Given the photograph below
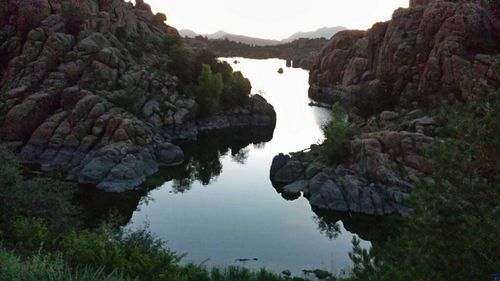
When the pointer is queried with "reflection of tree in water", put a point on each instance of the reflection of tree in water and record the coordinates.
(202, 163)
(329, 228)
(203, 157)
(369, 228)
(240, 156)
(259, 146)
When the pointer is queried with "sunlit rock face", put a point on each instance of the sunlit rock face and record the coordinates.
(424, 52)
(84, 88)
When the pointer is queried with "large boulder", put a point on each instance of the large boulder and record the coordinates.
(292, 170)
(169, 154)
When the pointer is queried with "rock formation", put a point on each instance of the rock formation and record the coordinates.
(380, 173)
(84, 88)
(425, 52)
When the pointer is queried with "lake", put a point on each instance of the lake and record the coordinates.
(221, 206)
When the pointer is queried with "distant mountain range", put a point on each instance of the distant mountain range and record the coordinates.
(326, 32)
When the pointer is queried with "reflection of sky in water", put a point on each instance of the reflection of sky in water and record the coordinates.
(239, 214)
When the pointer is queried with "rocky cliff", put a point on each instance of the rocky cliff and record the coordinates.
(389, 79)
(424, 52)
(85, 87)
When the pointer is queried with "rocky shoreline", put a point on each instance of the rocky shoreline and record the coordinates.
(420, 58)
(85, 88)
(382, 169)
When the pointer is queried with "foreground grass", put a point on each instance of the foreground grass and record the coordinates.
(54, 268)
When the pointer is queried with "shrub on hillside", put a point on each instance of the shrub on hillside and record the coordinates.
(337, 134)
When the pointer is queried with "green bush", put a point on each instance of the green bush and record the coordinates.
(31, 233)
(136, 254)
(209, 90)
(335, 148)
(236, 91)
(42, 198)
(44, 267)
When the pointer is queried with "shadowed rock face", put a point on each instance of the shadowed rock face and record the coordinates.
(377, 179)
(426, 51)
(84, 87)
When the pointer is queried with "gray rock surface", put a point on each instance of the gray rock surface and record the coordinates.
(377, 178)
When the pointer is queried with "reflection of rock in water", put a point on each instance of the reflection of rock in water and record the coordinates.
(290, 196)
(203, 163)
(370, 228)
(98, 206)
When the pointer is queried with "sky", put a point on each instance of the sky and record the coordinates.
(273, 19)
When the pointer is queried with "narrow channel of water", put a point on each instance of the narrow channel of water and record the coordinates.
(221, 205)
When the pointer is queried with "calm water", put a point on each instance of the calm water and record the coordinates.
(221, 205)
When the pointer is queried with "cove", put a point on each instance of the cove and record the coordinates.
(220, 206)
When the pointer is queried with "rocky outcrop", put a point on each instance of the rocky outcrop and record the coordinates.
(383, 167)
(85, 87)
(423, 54)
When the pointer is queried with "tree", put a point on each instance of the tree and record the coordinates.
(209, 90)
(236, 90)
(337, 136)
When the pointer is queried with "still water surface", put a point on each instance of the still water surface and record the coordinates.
(222, 206)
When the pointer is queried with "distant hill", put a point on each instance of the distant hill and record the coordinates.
(242, 39)
(325, 32)
(188, 33)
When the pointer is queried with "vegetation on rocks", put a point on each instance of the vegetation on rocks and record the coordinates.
(338, 135)
(453, 231)
(221, 90)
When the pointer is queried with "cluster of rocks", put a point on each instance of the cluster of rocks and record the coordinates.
(381, 171)
(426, 51)
(84, 87)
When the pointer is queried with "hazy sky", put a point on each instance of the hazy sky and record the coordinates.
(273, 19)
